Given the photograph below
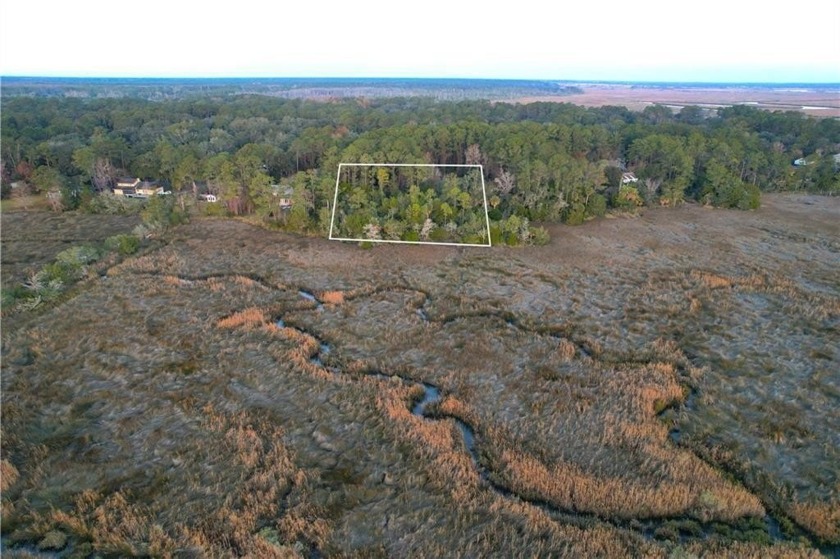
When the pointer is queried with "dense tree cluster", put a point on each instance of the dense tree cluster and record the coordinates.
(542, 161)
(429, 204)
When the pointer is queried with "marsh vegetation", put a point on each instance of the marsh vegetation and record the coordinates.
(654, 385)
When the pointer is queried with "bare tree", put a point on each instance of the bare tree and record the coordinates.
(104, 175)
(505, 182)
(428, 225)
(473, 155)
(54, 198)
(652, 186)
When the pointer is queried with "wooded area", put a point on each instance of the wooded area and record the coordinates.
(437, 204)
(542, 161)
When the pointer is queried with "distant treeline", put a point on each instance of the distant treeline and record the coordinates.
(542, 161)
(290, 88)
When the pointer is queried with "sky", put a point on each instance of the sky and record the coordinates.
(645, 40)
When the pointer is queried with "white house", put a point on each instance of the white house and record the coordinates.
(284, 193)
(127, 182)
(149, 188)
(126, 186)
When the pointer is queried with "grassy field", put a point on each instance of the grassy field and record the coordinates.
(31, 239)
(661, 385)
(813, 102)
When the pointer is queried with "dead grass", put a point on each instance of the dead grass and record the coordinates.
(249, 318)
(211, 433)
(712, 281)
(8, 474)
(332, 297)
(822, 518)
(254, 469)
(451, 468)
(566, 350)
(637, 98)
(454, 407)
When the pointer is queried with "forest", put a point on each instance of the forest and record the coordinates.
(414, 204)
(543, 162)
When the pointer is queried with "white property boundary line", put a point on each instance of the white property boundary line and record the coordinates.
(483, 193)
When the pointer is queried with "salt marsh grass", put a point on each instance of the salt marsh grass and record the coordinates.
(165, 411)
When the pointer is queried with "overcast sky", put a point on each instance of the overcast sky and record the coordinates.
(714, 40)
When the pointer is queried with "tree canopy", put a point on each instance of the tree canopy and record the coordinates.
(542, 161)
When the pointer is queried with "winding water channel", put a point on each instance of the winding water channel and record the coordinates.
(687, 528)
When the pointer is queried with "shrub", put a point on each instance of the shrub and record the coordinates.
(11, 295)
(439, 234)
(539, 236)
(298, 219)
(60, 272)
(214, 210)
(161, 213)
(597, 205)
(70, 197)
(411, 236)
(576, 215)
(47, 283)
(495, 235)
(475, 240)
(750, 198)
(107, 203)
(123, 244)
(627, 198)
(393, 229)
(78, 256)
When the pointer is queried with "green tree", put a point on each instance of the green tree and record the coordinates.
(46, 179)
(664, 159)
(721, 187)
(161, 213)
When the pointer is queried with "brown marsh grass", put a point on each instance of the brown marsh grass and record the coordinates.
(32, 239)
(332, 297)
(822, 518)
(248, 318)
(163, 411)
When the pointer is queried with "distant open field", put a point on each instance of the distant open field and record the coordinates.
(816, 102)
(658, 385)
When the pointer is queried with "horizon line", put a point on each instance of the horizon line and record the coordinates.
(473, 78)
